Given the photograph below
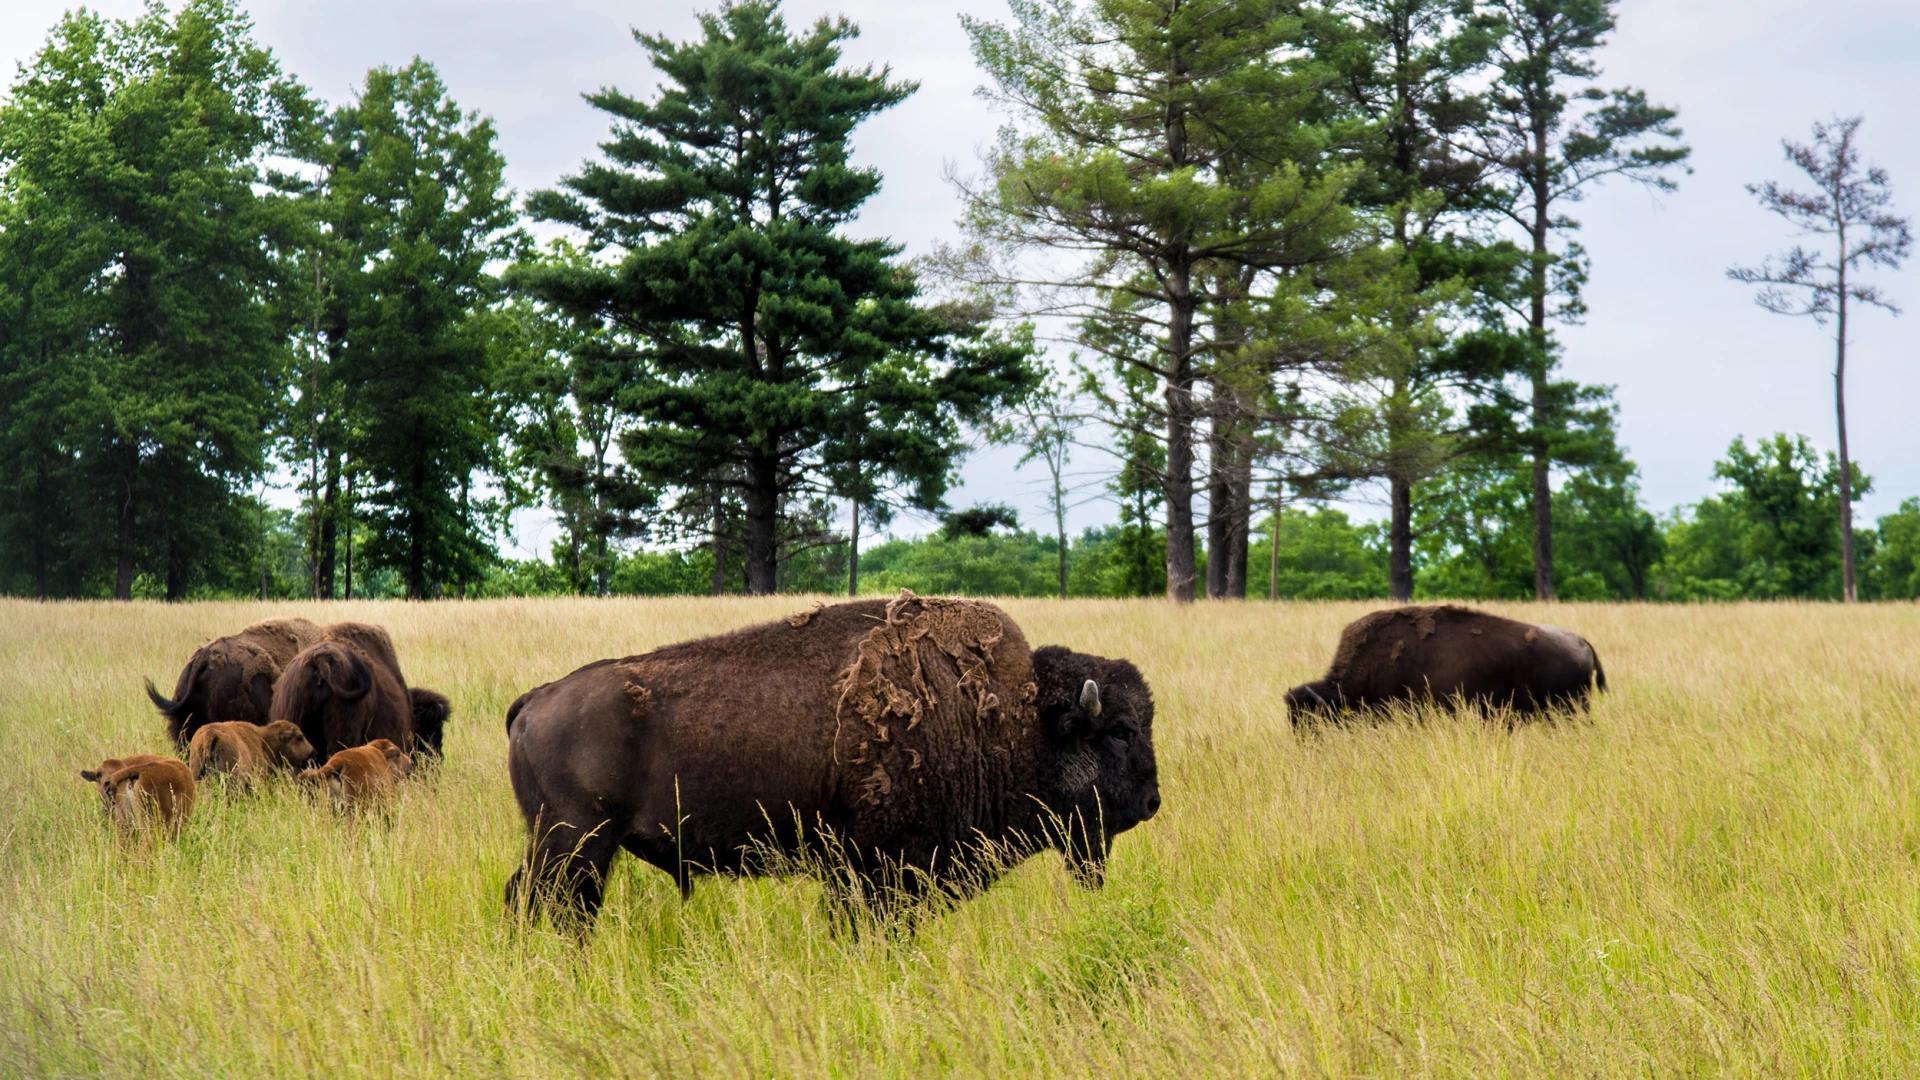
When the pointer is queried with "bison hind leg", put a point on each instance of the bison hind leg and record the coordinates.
(565, 872)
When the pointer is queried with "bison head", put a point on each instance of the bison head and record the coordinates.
(1310, 701)
(1098, 775)
(430, 712)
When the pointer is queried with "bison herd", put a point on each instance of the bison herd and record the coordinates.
(896, 749)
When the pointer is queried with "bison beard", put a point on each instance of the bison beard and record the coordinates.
(890, 746)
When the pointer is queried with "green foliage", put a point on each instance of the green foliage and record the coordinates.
(1893, 573)
(1323, 555)
(1769, 535)
(979, 520)
(785, 358)
(140, 235)
(423, 183)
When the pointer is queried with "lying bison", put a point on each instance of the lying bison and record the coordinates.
(231, 678)
(895, 745)
(346, 691)
(1451, 655)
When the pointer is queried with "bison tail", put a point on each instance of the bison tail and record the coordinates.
(513, 710)
(1599, 673)
(161, 703)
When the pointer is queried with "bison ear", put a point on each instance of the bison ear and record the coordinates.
(91, 776)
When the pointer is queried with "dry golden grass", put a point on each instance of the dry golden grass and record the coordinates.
(1718, 873)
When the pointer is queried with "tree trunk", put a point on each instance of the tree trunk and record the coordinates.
(1060, 525)
(123, 573)
(328, 525)
(1273, 548)
(719, 542)
(347, 512)
(1181, 571)
(763, 515)
(1400, 540)
(1848, 591)
(1537, 328)
(1219, 495)
(853, 554)
(602, 568)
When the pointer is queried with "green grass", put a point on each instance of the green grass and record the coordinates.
(1718, 873)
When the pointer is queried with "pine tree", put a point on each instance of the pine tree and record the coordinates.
(784, 357)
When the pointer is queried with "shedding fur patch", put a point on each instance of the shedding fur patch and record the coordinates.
(801, 618)
(640, 698)
(927, 653)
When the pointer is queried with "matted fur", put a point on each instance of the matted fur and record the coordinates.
(231, 678)
(340, 697)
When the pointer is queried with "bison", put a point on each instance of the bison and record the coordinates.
(231, 678)
(142, 790)
(895, 746)
(362, 774)
(340, 697)
(1451, 655)
(249, 752)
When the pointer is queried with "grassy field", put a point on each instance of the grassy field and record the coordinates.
(1718, 873)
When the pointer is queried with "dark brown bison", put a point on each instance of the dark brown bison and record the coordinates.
(430, 713)
(894, 745)
(341, 697)
(1451, 655)
(231, 678)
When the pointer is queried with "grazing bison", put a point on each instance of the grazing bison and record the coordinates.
(362, 774)
(895, 744)
(249, 752)
(142, 790)
(231, 678)
(1450, 655)
(340, 697)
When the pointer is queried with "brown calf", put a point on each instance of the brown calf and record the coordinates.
(363, 773)
(249, 751)
(143, 789)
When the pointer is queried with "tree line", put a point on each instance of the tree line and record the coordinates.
(1294, 250)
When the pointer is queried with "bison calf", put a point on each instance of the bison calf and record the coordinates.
(143, 790)
(249, 752)
(362, 774)
(1451, 655)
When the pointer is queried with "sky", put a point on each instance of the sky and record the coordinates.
(1694, 362)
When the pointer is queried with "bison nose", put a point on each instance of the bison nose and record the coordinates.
(1153, 804)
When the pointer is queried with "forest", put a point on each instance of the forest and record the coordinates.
(1244, 265)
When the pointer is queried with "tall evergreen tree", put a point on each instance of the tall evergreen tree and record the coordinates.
(142, 231)
(1554, 135)
(1156, 142)
(417, 369)
(782, 351)
(1853, 209)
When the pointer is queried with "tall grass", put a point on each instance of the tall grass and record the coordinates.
(1720, 872)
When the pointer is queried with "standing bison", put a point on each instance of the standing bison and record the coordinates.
(346, 691)
(231, 678)
(899, 745)
(1451, 655)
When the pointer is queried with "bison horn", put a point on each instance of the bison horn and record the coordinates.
(1316, 694)
(1090, 698)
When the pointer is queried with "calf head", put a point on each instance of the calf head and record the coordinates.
(399, 762)
(286, 743)
(1097, 774)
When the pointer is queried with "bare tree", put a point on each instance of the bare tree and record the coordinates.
(1852, 207)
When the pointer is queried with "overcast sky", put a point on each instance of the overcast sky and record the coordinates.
(1694, 361)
